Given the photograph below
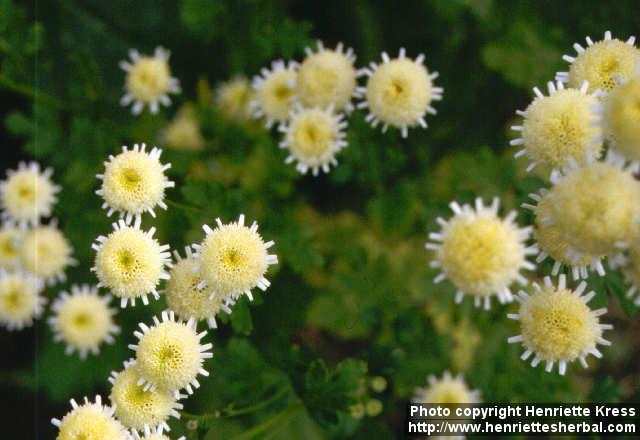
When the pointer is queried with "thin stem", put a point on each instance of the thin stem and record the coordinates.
(183, 206)
(230, 412)
(32, 93)
(281, 419)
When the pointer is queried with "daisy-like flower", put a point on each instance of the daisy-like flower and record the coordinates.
(134, 182)
(130, 262)
(620, 118)
(399, 92)
(91, 420)
(148, 81)
(46, 252)
(551, 242)
(20, 299)
(183, 133)
(138, 408)
(446, 390)
(327, 77)
(234, 259)
(10, 239)
(602, 64)
(154, 434)
(83, 320)
(313, 138)
(233, 98)
(27, 194)
(559, 127)
(480, 253)
(557, 326)
(274, 92)
(188, 300)
(169, 355)
(594, 210)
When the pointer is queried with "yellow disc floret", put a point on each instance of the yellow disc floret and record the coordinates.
(447, 390)
(274, 92)
(83, 320)
(10, 243)
(139, 408)
(90, 421)
(46, 252)
(596, 208)
(399, 92)
(186, 298)
(20, 300)
(560, 127)
(169, 355)
(557, 326)
(130, 262)
(327, 77)
(134, 182)
(234, 259)
(183, 133)
(314, 137)
(233, 98)
(621, 119)
(148, 80)
(27, 194)
(602, 64)
(480, 253)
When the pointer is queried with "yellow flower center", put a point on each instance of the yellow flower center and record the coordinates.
(276, 93)
(326, 77)
(604, 64)
(148, 79)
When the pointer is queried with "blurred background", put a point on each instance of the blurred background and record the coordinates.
(352, 300)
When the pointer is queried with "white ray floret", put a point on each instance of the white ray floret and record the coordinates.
(91, 420)
(446, 390)
(154, 434)
(274, 92)
(21, 301)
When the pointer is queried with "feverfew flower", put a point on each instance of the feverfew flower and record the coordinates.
(148, 81)
(20, 300)
(169, 354)
(188, 300)
(154, 434)
(139, 408)
(399, 92)
(10, 239)
(83, 320)
(46, 252)
(556, 325)
(559, 127)
(620, 119)
(447, 390)
(27, 194)
(313, 138)
(327, 77)
(183, 133)
(274, 92)
(480, 253)
(233, 98)
(234, 259)
(595, 208)
(602, 64)
(130, 262)
(134, 182)
(90, 421)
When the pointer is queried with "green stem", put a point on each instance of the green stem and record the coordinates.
(32, 93)
(280, 420)
(183, 206)
(230, 412)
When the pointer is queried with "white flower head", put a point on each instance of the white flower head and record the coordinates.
(10, 242)
(154, 434)
(481, 253)
(274, 92)
(169, 354)
(233, 98)
(328, 77)
(83, 320)
(187, 297)
(313, 137)
(446, 390)
(130, 262)
(559, 127)
(134, 182)
(46, 252)
(20, 299)
(602, 64)
(27, 194)
(399, 92)
(234, 259)
(557, 326)
(90, 420)
(148, 80)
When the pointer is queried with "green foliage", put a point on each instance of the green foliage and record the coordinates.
(352, 296)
